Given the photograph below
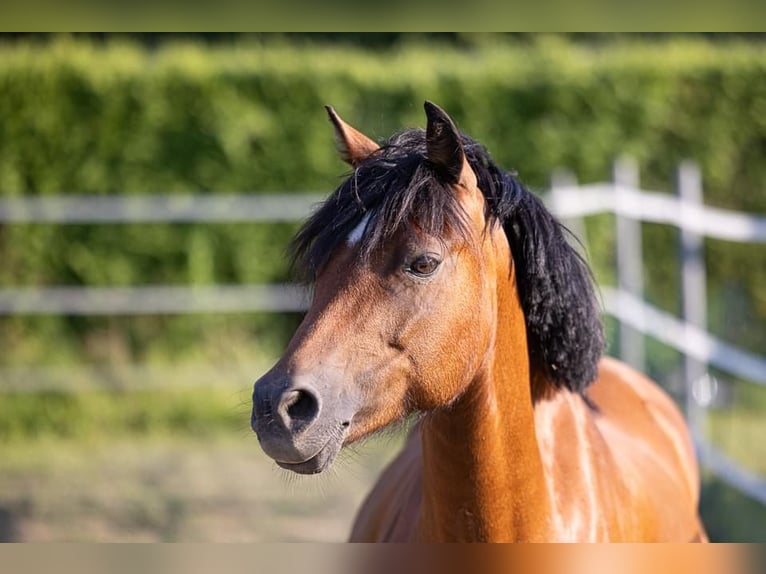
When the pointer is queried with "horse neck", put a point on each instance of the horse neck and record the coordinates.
(482, 472)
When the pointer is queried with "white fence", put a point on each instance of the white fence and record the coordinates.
(623, 197)
(687, 334)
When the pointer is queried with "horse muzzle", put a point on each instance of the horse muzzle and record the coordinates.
(294, 426)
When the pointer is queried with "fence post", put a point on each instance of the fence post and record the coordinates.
(629, 257)
(693, 288)
(562, 179)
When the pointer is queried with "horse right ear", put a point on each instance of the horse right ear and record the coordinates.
(443, 147)
(353, 145)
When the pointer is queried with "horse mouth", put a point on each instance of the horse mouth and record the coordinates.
(317, 463)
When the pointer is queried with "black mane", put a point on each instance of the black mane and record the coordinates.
(396, 185)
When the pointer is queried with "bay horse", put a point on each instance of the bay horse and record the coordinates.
(443, 287)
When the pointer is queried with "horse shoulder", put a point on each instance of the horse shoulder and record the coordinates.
(642, 431)
(660, 419)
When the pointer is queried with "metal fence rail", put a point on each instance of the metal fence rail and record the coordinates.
(159, 208)
(153, 300)
(658, 207)
(571, 202)
(683, 337)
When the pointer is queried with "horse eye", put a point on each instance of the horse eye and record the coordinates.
(424, 266)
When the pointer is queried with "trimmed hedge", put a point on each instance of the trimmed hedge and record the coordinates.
(77, 117)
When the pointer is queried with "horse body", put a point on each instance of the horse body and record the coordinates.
(619, 474)
(443, 287)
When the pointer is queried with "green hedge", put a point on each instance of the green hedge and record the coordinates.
(118, 118)
(195, 412)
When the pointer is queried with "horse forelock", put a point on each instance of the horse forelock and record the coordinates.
(396, 187)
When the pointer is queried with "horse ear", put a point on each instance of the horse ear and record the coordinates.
(443, 147)
(353, 145)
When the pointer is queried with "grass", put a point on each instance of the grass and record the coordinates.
(91, 402)
(221, 487)
(96, 416)
(171, 459)
(738, 431)
(738, 425)
(176, 488)
(730, 516)
(740, 434)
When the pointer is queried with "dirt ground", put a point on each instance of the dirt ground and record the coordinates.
(217, 490)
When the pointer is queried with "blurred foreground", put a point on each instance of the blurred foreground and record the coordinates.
(221, 489)
(135, 461)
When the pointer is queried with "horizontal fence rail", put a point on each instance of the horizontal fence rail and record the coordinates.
(161, 208)
(153, 300)
(683, 337)
(657, 207)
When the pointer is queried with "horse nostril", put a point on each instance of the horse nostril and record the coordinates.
(301, 406)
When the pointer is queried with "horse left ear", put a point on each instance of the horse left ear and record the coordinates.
(443, 147)
(353, 145)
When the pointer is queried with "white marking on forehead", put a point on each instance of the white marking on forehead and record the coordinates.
(358, 232)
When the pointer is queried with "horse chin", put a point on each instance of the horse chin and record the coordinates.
(317, 463)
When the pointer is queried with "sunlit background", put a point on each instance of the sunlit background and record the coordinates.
(149, 185)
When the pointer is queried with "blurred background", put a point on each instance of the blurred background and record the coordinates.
(149, 185)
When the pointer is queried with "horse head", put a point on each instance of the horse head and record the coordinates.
(405, 258)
